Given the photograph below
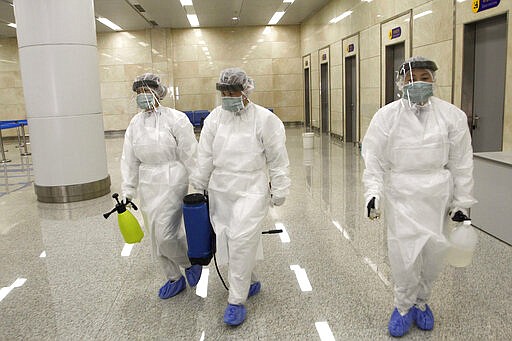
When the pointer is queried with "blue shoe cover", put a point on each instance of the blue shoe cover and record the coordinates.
(234, 314)
(254, 289)
(399, 325)
(193, 274)
(171, 289)
(424, 319)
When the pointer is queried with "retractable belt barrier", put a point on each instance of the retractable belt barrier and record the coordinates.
(20, 132)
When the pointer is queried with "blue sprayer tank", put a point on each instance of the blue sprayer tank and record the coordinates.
(200, 235)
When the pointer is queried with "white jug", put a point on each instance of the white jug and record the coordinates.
(463, 239)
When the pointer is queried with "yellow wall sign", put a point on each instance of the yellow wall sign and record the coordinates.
(482, 5)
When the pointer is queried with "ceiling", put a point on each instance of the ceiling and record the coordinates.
(170, 13)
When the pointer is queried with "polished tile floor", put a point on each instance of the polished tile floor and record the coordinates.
(67, 275)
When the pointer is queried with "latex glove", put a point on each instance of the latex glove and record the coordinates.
(276, 201)
(373, 208)
(458, 214)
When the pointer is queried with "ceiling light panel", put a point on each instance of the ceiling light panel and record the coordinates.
(168, 13)
(120, 12)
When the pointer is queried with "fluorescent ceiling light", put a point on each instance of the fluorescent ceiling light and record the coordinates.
(375, 269)
(202, 286)
(109, 24)
(11, 25)
(341, 229)
(43, 254)
(302, 278)
(284, 236)
(422, 14)
(192, 19)
(186, 3)
(324, 331)
(6, 290)
(127, 250)
(288, 1)
(340, 17)
(275, 18)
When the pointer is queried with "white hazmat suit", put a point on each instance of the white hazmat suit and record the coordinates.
(237, 156)
(419, 162)
(158, 155)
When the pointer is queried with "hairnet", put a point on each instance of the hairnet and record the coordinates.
(416, 62)
(151, 81)
(235, 79)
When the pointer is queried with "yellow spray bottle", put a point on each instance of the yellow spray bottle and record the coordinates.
(128, 224)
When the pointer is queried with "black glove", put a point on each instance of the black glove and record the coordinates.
(459, 216)
(373, 211)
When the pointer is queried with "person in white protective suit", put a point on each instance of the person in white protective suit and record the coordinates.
(241, 148)
(419, 165)
(158, 156)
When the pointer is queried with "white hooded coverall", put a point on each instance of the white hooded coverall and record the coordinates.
(418, 159)
(158, 155)
(237, 155)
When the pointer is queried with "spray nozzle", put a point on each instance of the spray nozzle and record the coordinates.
(120, 206)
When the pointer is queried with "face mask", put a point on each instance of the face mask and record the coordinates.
(233, 104)
(418, 92)
(145, 101)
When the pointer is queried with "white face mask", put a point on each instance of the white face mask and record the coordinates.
(146, 101)
(233, 104)
(418, 92)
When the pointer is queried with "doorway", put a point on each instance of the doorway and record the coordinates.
(483, 81)
(307, 100)
(395, 56)
(324, 96)
(350, 99)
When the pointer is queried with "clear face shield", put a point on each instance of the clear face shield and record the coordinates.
(415, 80)
(148, 94)
(147, 99)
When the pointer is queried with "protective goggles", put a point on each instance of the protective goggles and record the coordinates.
(228, 87)
(144, 83)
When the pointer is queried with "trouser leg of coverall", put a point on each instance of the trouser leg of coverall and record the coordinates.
(415, 283)
(242, 260)
(406, 278)
(172, 247)
(432, 264)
